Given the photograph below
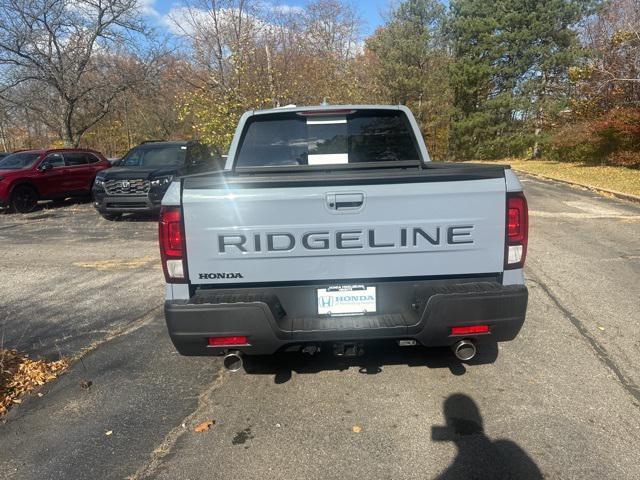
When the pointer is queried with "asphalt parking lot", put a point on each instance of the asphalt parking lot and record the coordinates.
(561, 401)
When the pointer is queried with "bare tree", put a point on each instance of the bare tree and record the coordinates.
(333, 28)
(612, 75)
(219, 34)
(5, 117)
(250, 54)
(63, 59)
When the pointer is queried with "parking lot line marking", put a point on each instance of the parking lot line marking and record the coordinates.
(117, 263)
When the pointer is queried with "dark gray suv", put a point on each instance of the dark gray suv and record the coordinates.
(137, 182)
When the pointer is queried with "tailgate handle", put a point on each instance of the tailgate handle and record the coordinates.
(346, 201)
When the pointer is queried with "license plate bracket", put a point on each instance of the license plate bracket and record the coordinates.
(346, 300)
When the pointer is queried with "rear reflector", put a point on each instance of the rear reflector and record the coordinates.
(225, 341)
(470, 330)
(517, 231)
(171, 237)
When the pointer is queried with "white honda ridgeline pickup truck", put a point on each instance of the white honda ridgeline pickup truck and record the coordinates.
(331, 226)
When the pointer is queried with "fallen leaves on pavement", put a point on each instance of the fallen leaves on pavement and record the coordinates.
(19, 375)
(204, 426)
(356, 429)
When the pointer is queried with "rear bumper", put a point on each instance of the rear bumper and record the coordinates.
(427, 319)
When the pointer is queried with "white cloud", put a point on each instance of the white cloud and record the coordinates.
(147, 7)
(186, 20)
(286, 9)
(180, 20)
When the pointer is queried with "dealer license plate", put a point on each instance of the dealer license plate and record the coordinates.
(346, 300)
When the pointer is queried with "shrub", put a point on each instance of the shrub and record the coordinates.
(611, 139)
(625, 159)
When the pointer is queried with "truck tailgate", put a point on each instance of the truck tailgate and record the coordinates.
(337, 233)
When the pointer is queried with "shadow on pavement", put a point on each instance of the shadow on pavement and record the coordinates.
(376, 357)
(478, 457)
(44, 207)
(136, 217)
(47, 209)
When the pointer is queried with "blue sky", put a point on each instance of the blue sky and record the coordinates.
(370, 10)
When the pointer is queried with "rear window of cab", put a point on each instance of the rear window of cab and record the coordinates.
(300, 139)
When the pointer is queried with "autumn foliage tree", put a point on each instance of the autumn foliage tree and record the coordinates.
(245, 57)
(602, 124)
(67, 61)
(551, 78)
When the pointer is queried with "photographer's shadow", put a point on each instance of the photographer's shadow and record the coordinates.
(478, 456)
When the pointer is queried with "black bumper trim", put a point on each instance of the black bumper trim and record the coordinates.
(105, 203)
(262, 319)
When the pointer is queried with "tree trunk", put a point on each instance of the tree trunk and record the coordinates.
(3, 136)
(272, 87)
(536, 146)
(537, 151)
(69, 137)
(126, 123)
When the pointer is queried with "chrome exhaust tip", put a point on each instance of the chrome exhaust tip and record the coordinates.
(464, 350)
(233, 361)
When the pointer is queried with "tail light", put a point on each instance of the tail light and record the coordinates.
(172, 250)
(470, 330)
(517, 231)
(226, 341)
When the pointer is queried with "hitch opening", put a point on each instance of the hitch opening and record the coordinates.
(348, 349)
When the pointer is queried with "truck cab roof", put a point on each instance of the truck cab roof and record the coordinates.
(326, 109)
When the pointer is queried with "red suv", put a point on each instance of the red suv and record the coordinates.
(31, 175)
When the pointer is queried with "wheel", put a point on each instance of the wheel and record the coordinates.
(24, 199)
(111, 216)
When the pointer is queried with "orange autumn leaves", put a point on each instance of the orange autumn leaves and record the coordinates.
(19, 374)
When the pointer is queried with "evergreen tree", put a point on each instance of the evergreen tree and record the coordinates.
(410, 67)
(511, 59)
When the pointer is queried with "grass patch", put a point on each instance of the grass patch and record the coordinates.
(20, 375)
(618, 179)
